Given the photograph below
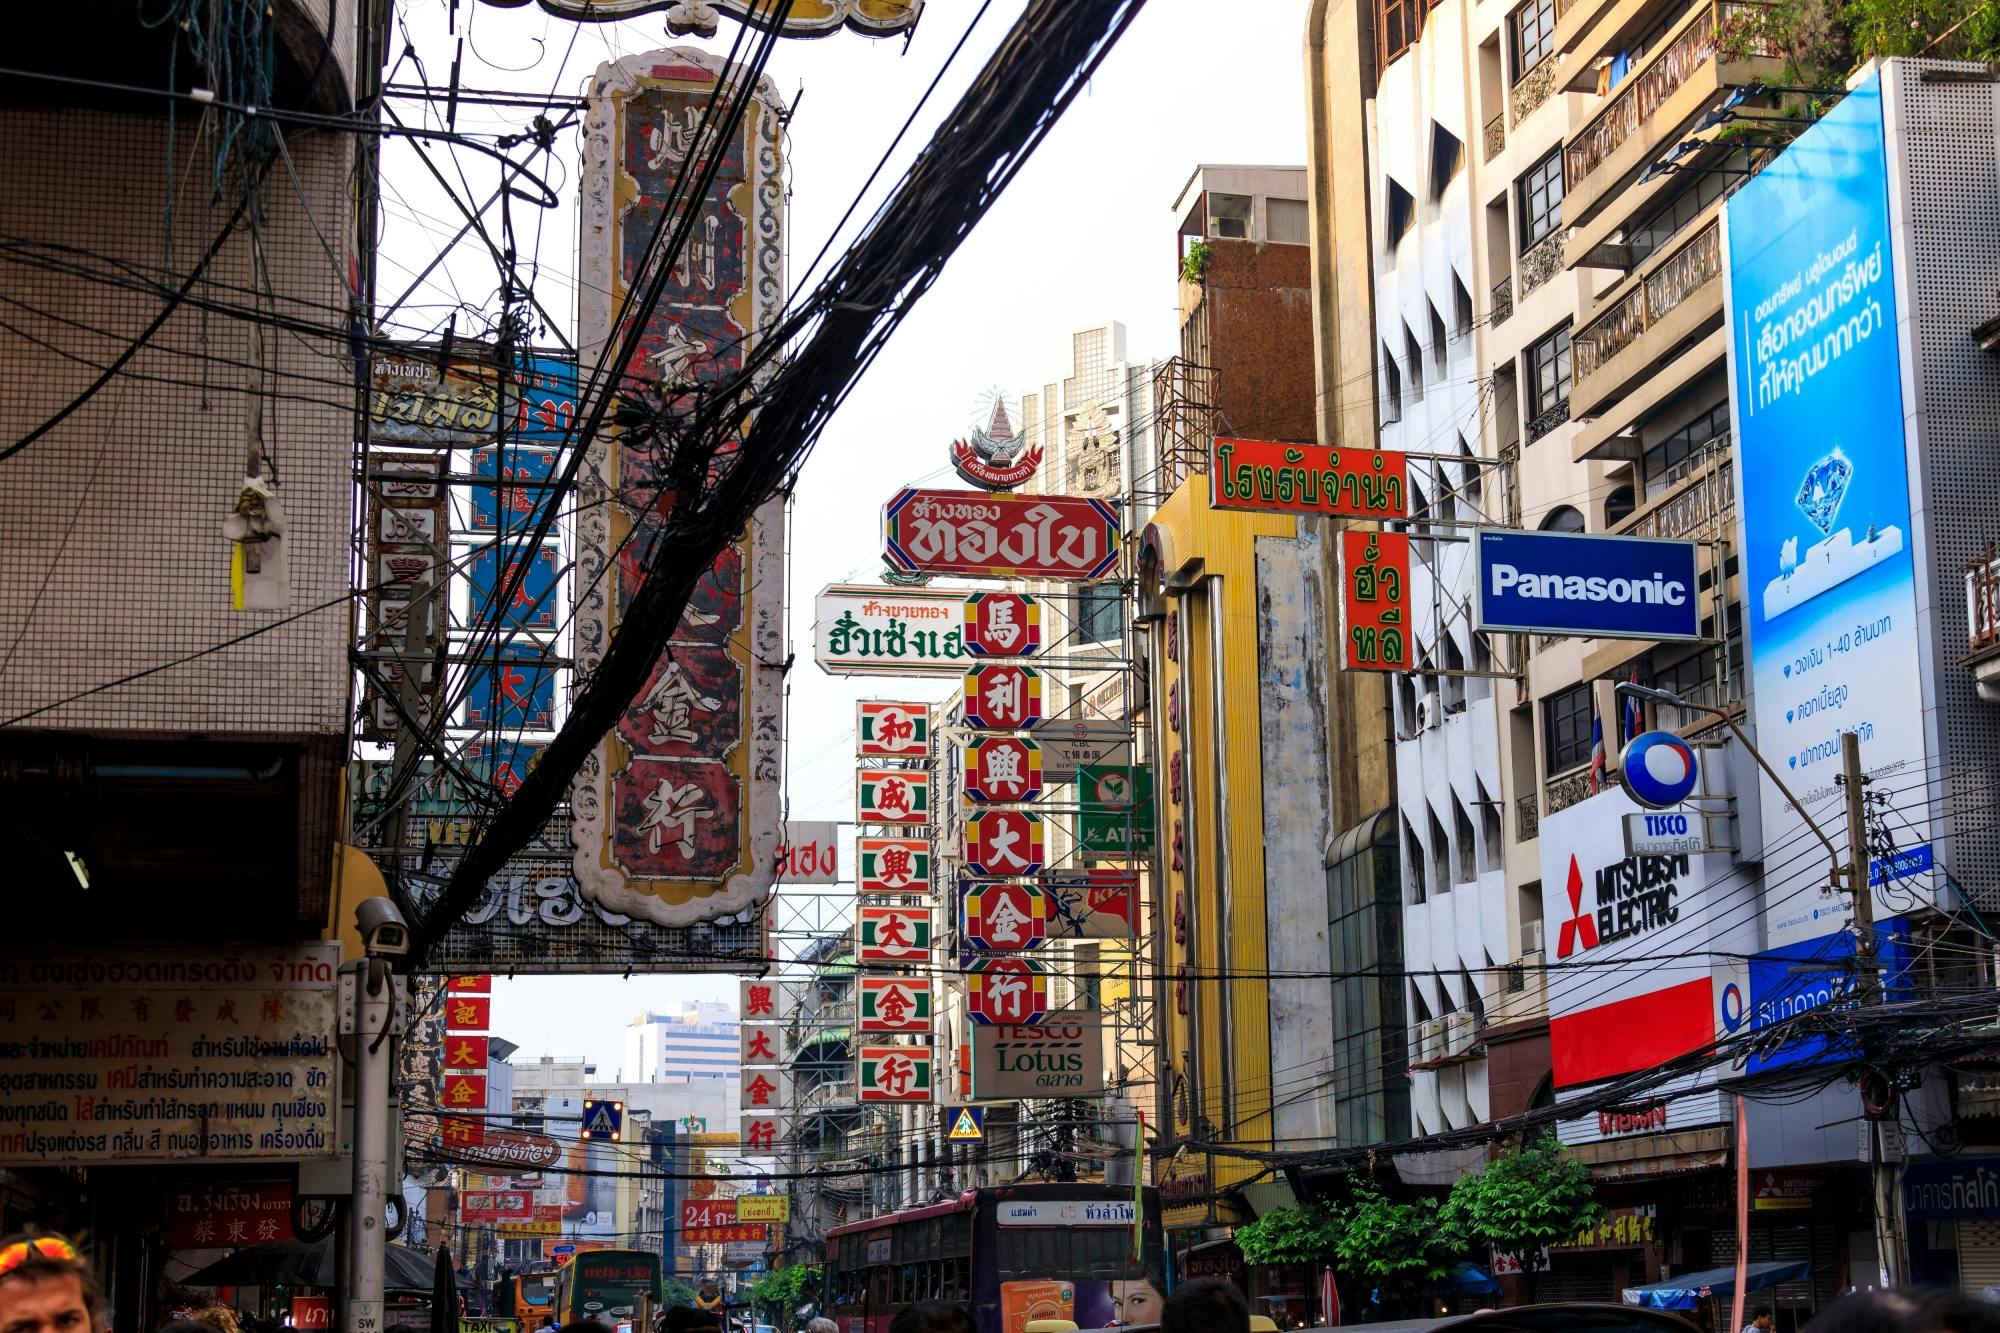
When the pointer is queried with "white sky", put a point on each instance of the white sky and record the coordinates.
(1085, 234)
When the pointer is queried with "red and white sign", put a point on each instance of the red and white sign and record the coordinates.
(1000, 696)
(1002, 770)
(896, 1073)
(999, 843)
(1004, 916)
(496, 1206)
(471, 1139)
(893, 934)
(1599, 906)
(713, 1222)
(1002, 624)
(467, 1013)
(999, 536)
(761, 1001)
(760, 1043)
(764, 1090)
(312, 1314)
(204, 1216)
(810, 853)
(1002, 988)
(892, 796)
(894, 1004)
(760, 1132)
(885, 730)
(893, 865)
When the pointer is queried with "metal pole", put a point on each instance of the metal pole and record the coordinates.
(374, 1013)
(1882, 1173)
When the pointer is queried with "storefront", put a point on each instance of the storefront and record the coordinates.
(1951, 1211)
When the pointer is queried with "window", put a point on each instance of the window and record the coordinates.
(1229, 216)
(1461, 305)
(1538, 198)
(1548, 372)
(1401, 214)
(1673, 458)
(1288, 221)
(1667, 221)
(1415, 356)
(1439, 339)
(1566, 729)
(1563, 518)
(1618, 506)
(1397, 23)
(1100, 613)
(1447, 157)
(1415, 859)
(1533, 26)
(1392, 387)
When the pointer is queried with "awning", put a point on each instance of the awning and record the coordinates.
(1687, 1290)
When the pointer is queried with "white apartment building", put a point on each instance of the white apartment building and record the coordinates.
(694, 1042)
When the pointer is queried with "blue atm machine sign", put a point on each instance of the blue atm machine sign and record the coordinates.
(1585, 585)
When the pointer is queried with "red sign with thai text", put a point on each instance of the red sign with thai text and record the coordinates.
(1000, 536)
(1374, 601)
(1308, 479)
(201, 1217)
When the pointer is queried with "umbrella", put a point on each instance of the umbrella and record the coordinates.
(302, 1263)
(444, 1295)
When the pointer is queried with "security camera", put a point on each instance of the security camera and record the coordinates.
(384, 933)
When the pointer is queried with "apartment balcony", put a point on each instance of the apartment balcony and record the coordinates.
(1668, 301)
(1982, 624)
(1718, 46)
(1496, 136)
(1566, 789)
(1696, 507)
(1503, 300)
(1527, 817)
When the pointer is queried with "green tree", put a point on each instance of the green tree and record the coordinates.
(777, 1295)
(1527, 1198)
(675, 1292)
(1398, 1245)
(1304, 1235)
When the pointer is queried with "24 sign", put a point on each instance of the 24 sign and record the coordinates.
(1000, 696)
(895, 1074)
(999, 536)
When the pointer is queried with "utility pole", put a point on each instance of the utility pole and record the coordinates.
(1868, 989)
(371, 1014)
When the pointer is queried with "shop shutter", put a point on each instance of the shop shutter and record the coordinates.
(1577, 1277)
(1978, 1255)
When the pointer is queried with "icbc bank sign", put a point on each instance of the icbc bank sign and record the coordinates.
(1601, 908)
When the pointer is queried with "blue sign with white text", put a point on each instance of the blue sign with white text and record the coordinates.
(1794, 979)
(1822, 475)
(1583, 584)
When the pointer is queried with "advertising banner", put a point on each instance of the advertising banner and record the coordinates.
(1071, 744)
(893, 865)
(1001, 770)
(519, 493)
(247, 1033)
(1000, 696)
(1062, 1056)
(1116, 810)
(676, 815)
(1600, 905)
(876, 630)
(496, 1206)
(203, 1216)
(1006, 989)
(999, 536)
(1796, 978)
(893, 934)
(763, 1207)
(1003, 624)
(493, 569)
(421, 396)
(894, 1004)
(886, 796)
(512, 691)
(1822, 491)
(895, 1073)
(1585, 584)
(1000, 843)
(1308, 479)
(810, 853)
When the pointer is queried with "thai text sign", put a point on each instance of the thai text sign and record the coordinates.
(1584, 584)
(1066, 1213)
(875, 630)
(422, 396)
(143, 1055)
(1062, 1056)
(1000, 536)
(1308, 479)
(809, 854)
(1374, 601)
(496, 1206)
(763, 1207)
(204, 1216)
(1952, 1189)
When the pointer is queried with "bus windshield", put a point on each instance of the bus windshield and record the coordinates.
(609, 1283)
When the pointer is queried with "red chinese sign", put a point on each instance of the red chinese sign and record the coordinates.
(893, 934)
(474, 985)
(895, 1004)
(887, 730)
(1007, 990)
(1374, 601)
(759, 1043)
(893, 865)
(1000, 536)
(1002, 769)
(713, 1222)
(465, 1054)
(463, 1092)
(760, 1000)
(1002, 624)
(1004, 916)
(1000, 696)
(1004, 842)
(892, 796)
(760, 1132)
(895, 1073)
(467, 1013)
(1308, 479)
(202, 1217)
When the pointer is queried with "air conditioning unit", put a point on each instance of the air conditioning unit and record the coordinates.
(1430, 1039)
(1426, 712)
(1531, 936)
(1458, 1032)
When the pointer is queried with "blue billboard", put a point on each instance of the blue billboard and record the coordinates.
(1584, 584)
(1793, 979)
(515, 691)
(1822, 475)
(533, 603)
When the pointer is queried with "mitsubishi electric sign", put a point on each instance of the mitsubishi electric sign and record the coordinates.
(1586, 585)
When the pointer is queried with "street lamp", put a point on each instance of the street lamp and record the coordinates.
(1647, 692)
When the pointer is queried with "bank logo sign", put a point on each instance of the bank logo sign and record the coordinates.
(1585, 585)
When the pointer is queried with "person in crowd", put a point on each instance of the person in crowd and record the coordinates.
(1205, 1305)
(1933, 1310)
(1760, 1320)
(933, 1317)
(585, 1326)
(691, 1319)
(822, 1325)
(46, 1287)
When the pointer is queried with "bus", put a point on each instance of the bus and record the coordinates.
(1013, 1254)
(525, 1297)
(608, 1286)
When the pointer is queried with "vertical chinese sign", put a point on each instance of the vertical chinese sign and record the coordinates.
(760, 1037)
(676, 815)
(1374, 601)
(467, 1017)
(893, 795)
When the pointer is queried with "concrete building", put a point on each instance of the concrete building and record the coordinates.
(696, 1042)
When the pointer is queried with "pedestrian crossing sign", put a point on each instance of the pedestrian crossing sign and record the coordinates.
(969, 1123)
(603, 1121)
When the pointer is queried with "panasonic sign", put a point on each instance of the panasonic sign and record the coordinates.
(1571, 583)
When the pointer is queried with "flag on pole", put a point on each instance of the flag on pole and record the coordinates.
(1596, 754)
(1633, 721)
